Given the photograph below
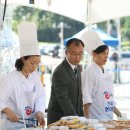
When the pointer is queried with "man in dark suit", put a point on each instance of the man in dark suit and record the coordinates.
(66, 95)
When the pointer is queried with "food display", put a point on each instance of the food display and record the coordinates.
(74, 122)
(82, 123)
(116, 125)
(31, 128)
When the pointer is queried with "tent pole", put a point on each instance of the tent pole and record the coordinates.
(89, 13)
(108, 27)
(119, 46)
(62, 39)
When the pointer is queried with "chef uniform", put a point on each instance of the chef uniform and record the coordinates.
(25, 96)
(98, 90)
(97, 85)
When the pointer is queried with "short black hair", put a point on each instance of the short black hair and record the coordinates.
(74, 40)
(100, 49)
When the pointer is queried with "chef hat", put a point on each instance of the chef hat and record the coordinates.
(91, 40)
(27, 32)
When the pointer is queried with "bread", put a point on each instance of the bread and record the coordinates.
(91, 128)
(73, 126)
(57, 123)
(80, 125)
(72, 122)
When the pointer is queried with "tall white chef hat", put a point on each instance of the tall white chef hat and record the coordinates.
(91, 40)
(27, 32)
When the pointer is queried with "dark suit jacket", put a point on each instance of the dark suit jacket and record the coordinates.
(66, 95)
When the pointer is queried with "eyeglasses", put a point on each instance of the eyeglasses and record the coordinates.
(76, 54)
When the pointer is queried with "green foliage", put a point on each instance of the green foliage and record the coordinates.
(102, 25)
(125, 45)
(47, 23)
(125, 28)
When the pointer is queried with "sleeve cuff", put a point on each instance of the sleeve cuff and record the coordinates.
(87, 100)
(41, 110)
(2, 106)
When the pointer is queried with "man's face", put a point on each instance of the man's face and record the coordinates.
(74, 53)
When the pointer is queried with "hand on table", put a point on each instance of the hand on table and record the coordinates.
(40, 117)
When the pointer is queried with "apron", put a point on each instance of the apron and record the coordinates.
(102, 98)
(25, 106)
(7, 125)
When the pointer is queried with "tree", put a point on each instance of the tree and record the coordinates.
(47, 23)
(125, 28)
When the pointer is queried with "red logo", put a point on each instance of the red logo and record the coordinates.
(107, 95)
(28, 110)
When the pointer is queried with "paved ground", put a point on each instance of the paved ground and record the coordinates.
(122, 97)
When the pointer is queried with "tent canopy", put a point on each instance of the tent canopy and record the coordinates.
(108, 40)
(91, 11)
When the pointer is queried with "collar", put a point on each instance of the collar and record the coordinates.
(22, 77)
(98, 68)
(72, 66)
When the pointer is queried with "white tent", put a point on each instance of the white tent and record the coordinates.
(91, 11)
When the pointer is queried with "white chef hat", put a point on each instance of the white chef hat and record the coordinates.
(91, 40)
(27, 32)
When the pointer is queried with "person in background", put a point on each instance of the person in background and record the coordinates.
(115, 58)
(22, 99)
(97, 88)
(66, 95)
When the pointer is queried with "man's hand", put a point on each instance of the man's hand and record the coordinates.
(39, 116)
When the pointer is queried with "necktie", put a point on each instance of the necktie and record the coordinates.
(75, 71)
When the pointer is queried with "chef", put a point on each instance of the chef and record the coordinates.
(22, 96)
(97, 84)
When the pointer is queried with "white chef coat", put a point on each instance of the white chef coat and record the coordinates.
(97, 89)
(25, 96)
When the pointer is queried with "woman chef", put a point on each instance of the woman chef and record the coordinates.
(22, 96)
(97, 89)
